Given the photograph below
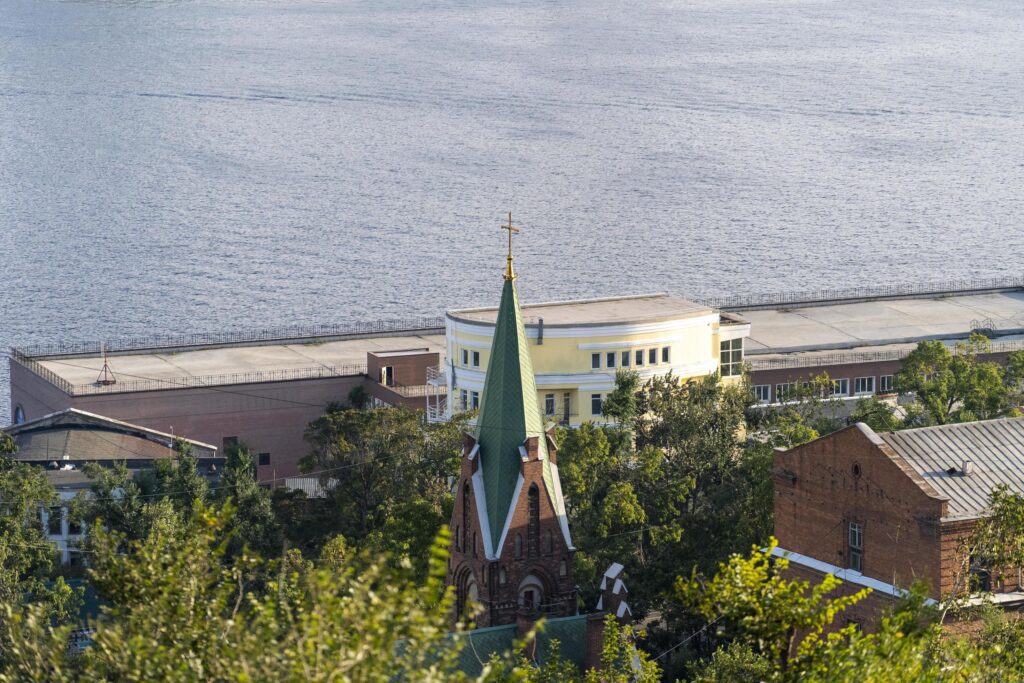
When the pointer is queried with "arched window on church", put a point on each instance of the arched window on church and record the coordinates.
(548, 542)
(465, 517)
(533, 528)
(519, 546)
(474, 544)
(458, 538)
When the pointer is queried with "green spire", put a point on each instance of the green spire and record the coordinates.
(509, 412)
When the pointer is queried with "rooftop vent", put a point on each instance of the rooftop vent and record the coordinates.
(967, 468)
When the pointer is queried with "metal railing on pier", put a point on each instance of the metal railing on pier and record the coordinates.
(304, 333)
(936, 288)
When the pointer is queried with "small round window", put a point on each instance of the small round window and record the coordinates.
(19, 415)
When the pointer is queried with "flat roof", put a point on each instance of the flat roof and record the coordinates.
(882, 322)
(607, 311)
(234, 363)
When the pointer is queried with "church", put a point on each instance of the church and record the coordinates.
(511, 551)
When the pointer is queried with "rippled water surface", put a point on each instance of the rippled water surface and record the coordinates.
(180, 166)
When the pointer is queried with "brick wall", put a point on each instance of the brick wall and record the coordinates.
(554, 569)
(822, 486)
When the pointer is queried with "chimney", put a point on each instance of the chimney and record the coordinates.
(967, 468)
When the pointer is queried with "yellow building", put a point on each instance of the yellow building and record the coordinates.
(577, 346)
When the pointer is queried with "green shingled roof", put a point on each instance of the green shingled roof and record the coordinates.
(480, 644)
(509, 412)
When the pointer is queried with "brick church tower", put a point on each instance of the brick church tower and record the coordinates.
(511, 552)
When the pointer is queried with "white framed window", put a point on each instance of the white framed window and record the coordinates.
(464, 399)
(476, 359)
(840, 387)
(609, 359)
(625, 358)
(475, 399)
(595, 404)
(855, 546)
(731, 357)
(885, 384)
(652, 356)
(549, 404)
(763, 393)
(639, 355)
(595, 361)
(864, 385)
(465, 356)
(665, 354)
(783, 391)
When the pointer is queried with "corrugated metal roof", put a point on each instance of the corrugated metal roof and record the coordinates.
(995, 449)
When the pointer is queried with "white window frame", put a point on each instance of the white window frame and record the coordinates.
(782, 389)
(727, 367)
(595, 361)
(844, 383)
(610, 358)
(627, 357)
(464, 399)
(666, 354)
(864, 392)
(638, 356)
(886, 387)
(549, 405)
(598, 398)
(474, 399)
(465, 357)
(855, 546)
(476, 359)
(765, 389)
(652, 356)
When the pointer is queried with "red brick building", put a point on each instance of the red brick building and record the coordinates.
(511, 552)
(885, 510)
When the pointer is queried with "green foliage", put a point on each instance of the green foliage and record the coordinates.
(7, 445)
(179, 610)
(254, 524)
(957, 387)
(388, 477)
(733, 663)
(27, 559)
(878, 415)
(750, 602)
(621, 404)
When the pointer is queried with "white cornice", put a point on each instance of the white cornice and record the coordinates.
(508, 519)
(473, 379)
(482, 329)
(730, 332)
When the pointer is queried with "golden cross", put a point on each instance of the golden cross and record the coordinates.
(509, 274)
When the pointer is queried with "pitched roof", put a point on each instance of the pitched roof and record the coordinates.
(74, 434)
(509, 412)
(995, 449)
(481, 643)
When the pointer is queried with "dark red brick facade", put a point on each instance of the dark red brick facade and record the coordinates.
(537, 559)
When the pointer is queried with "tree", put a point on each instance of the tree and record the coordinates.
(601, 475)
(387, 474)
(254, 524)
(750, 602)
(621, 404)
(956, 387)
(878, 415)
(27, 558)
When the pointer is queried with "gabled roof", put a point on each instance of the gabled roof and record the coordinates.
(509, 412)
(74, 434)
(995, 449)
